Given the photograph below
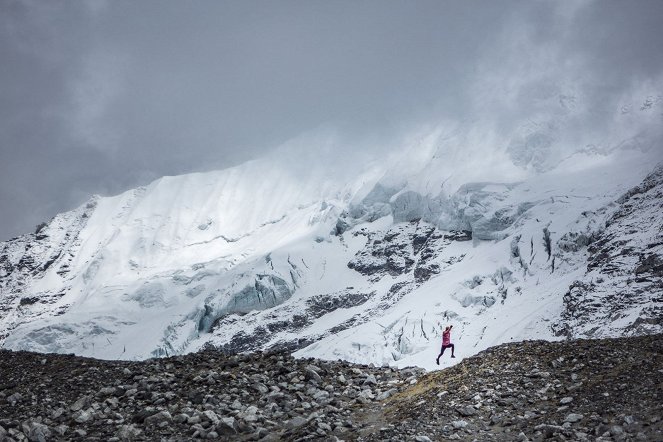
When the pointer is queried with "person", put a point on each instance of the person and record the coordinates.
(446, 343)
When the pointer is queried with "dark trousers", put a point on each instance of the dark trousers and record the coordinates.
(444, 347)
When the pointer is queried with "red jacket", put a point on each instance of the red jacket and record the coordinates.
(446, 337)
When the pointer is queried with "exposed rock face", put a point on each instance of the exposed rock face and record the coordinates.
(622, 290)
(406, 247)
(534, 390)
(260, 327)
(26, 259)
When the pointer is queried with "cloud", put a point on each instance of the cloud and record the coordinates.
(93, 94)
(99, 97)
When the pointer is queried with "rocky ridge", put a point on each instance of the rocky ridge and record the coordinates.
(622, 289)
(574, 390)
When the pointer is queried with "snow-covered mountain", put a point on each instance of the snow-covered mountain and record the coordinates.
(366, 265)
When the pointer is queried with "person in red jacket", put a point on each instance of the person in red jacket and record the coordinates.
(446, 343)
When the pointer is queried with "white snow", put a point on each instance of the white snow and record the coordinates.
(147, 264)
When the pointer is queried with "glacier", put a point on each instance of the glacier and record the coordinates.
(367, 265)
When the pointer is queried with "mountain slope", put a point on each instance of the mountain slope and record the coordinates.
(367, 266)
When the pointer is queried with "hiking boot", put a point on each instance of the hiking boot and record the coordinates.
(437, 361)
(453, 356)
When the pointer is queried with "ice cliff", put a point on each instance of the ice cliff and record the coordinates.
(367, 265)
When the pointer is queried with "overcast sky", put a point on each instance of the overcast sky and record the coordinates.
(103, 96)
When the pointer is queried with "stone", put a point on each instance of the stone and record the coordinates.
(106, 391)
(211, 416)
(82, 416)
(566, 400)
(35, 431)
(459, 424)
(14, 398)
(80, 403)
(243, 426)
(370, 379)
(127, 433)
(226, 426)
(158, 418)
(467, 411)
(295, 422)
(260, 387)
(180, 418)
(60, 430)
(140, 417)
(573, 418)
(616, 430)
(387, 394)
(421, 438)
(313, 375)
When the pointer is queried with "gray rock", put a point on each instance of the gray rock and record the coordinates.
(566, 400)
(370, 379)
(156, 419)
(57, 413)
(127, 433)
(60, 429)
(35, 431)
(421, 438)
(260, 433)
(321, 395)
(82, 416)
(459, 424)
(244, 427)
(366, 394)
(261, 388)
(236, 405)
(387, 394)
(467, 411)
(106, 391)
(180, 418)
(211, 416)
(226, 426)
(14, 398)
(295, 422)
(313, 375)
(616, 430)
(80, 403)
(198, 431)
(522, 437)
(573, 418)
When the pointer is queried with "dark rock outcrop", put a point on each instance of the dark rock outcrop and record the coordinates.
(624, 279)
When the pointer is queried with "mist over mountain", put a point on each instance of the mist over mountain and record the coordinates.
(101, 97)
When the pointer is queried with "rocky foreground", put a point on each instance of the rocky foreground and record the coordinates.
(574, 390)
